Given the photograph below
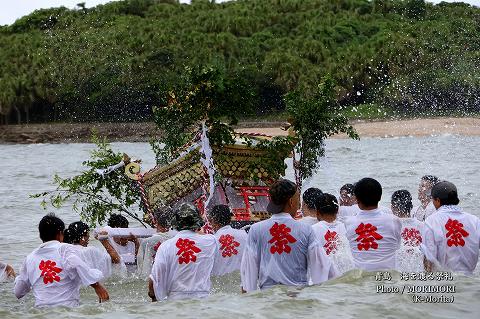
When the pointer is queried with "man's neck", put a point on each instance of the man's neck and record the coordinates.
(329, 219)
(162, 230)
(309, 214)
(363, 207)
(50, 241)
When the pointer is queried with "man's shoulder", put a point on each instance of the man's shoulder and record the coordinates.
(67, 248)
(469, 215)
(259, 225)
(238, 232)
(320, 226)
(170, 241)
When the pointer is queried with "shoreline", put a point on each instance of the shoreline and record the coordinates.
(467, 126)
(142, 132)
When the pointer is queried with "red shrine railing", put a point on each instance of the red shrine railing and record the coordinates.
(246, 192)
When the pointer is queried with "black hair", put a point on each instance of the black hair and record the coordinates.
(433, 180)
(368, 191)
(310, 197)
(327, 204)
(349, 188)
(281, 191)
(402, 200)
(446, 193)
(117, 221)
(75, 232)
(49, 227)
(68, 236)
(221, 214)
(164, 216)
(187, 217)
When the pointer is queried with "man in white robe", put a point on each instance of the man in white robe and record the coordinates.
(149, 246)
(183, 264)
(231, 242)
(332, 234)
(374, 236)
(409, 257)
(347, 202)
(125, 247)
(426, 207)
(309, 211)
(78, 235)
(282, 251)
(451, 237)
(54, 272)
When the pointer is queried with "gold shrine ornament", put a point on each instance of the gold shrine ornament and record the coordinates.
(132, 170)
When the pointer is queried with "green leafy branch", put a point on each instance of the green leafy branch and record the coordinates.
(314, 118)
(94, 196)
(199, 96)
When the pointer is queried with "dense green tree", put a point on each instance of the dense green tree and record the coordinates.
(115, 62)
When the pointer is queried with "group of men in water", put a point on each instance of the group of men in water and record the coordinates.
(329, 238)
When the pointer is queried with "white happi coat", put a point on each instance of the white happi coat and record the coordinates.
(309, 220)
(421, 213)
(55, 274)
(282, 251)
(409, 257)
(95, 258)
(147, 251)
(127, 252)
(231, 244)
(451, 239)
(347, 211)
(333, 239)
(183, 265)
(374, 238)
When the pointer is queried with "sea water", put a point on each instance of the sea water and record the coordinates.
(398, 163)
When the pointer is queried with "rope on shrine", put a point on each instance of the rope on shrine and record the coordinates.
(144, 197)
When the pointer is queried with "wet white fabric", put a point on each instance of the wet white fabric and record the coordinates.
(282, 251)
(127, 252)
(147, 251)
(385, 210)
(58, 282)
(409, 257)
(374, 238)
(231, 244)
(95, 258)
(347, 211)
(309, 220)
(183, 265)
(421, 213)
(333, 239)
(140, 232)
(451, 239)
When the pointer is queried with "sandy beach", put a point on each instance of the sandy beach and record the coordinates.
(141, 132)
(415, 127)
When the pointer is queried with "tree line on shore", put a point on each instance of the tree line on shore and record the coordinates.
(118, 61)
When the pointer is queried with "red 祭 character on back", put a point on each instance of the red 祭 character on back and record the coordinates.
(332, 241)
(187, 251)
(411, 237)
(49, 271)
(455, 233)
(367, 236)
(280, 239)
(228, 245)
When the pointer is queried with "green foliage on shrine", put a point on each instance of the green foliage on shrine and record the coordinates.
(95, 196)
